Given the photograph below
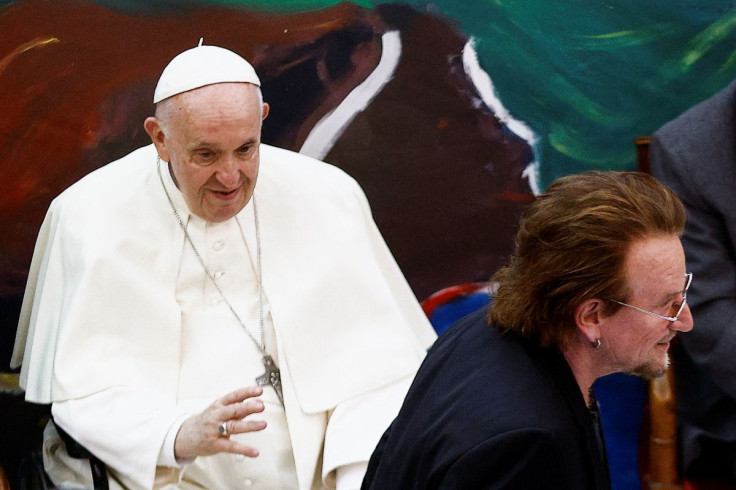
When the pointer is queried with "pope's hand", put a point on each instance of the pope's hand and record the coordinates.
(209, 431)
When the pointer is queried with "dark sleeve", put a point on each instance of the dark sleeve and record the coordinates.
(526, 459)
(707, 190)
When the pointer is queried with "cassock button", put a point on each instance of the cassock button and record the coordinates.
(217, 246)
(248, 482)
(215, 301)
(219, 274)
(239, 457)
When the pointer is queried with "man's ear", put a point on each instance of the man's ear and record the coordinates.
(266, 109)
(153, 127)
(588, 318)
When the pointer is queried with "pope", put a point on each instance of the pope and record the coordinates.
(210, 311)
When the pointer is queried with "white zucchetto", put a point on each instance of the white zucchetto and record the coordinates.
(200, 66)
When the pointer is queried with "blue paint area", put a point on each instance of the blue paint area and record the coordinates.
(620, 398)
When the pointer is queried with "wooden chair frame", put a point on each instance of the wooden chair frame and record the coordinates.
(662, 472)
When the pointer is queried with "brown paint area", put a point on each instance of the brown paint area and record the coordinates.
(442, 175)
(76, 81)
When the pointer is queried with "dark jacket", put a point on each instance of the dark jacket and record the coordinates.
(695, 155)
(489, 410)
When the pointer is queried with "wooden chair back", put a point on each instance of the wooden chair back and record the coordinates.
(661, 469)
(4, 483)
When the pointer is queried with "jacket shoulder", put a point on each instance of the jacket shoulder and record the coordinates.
(708, 123)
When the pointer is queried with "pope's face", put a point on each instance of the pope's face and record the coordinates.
(211, 136)
(636, 342)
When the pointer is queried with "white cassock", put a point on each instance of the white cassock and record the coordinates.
(123, 333)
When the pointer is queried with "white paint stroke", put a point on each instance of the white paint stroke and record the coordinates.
(484, 85)
(531, 173)
(325, 133)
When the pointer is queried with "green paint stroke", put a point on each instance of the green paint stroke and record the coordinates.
(572, 97)
(569, 142)
(623, 39)
(710, 36)
(728, 65)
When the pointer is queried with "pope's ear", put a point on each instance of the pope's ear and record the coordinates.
(588, 318)
(266, 109)
(153, 127)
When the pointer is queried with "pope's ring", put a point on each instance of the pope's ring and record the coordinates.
(222, 429)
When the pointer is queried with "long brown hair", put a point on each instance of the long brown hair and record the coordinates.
(571, 246)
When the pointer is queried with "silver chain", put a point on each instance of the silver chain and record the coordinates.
(262, 344)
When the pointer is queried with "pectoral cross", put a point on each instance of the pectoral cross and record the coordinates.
(272, 377)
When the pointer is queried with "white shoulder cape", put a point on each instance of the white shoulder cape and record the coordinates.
(100, 311)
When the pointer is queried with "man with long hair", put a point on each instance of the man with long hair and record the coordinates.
(504, 399)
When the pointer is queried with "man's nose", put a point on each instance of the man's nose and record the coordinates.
(684, 322)
(228, 173)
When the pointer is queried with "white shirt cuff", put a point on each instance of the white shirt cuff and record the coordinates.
(166, 456)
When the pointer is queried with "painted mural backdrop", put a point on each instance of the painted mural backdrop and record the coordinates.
(451, 114)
